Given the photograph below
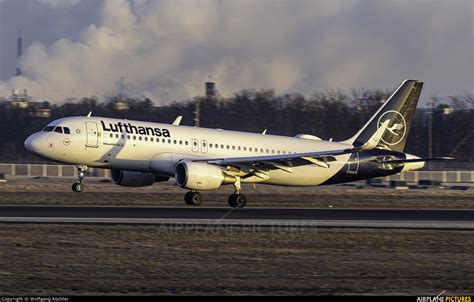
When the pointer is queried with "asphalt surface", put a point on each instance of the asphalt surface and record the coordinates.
(384, 218)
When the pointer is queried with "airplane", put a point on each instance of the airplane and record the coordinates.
(142, 153)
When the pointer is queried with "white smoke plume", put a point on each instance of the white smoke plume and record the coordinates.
(166, 49)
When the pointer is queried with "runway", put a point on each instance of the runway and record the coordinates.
(248, 217)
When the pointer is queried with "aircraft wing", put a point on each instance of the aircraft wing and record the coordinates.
(283, 162)
(286, 161)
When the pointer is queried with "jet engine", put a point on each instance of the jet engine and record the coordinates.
(200, 176)
(135, 179)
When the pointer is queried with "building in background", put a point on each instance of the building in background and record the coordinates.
(210, 89)
(22, 101)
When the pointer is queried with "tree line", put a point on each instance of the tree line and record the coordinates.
(326, 114)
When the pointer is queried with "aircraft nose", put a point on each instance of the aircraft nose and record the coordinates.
(32, 143)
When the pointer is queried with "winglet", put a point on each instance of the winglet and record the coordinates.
(376, 137)
(90, 113)
(177, 121)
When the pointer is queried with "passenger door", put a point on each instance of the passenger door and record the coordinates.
(92, 137)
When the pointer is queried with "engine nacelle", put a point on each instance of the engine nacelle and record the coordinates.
(200, 176)
(135, 179)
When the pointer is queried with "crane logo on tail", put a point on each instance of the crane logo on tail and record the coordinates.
(396, 129)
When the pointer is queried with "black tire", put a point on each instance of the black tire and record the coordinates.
(241, 201)
(77, 187)
(196, 198)
(232, 200)
(188, 198)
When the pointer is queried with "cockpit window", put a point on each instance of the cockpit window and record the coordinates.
(66, 130)
(48, 129)
(58, 129)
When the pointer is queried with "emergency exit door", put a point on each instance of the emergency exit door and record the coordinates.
(353, 164)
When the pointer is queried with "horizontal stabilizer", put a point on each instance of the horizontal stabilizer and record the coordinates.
(414, 160)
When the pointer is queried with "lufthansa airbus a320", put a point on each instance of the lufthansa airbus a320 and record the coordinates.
(142, 153)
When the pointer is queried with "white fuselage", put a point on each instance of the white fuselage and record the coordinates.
(157, 148)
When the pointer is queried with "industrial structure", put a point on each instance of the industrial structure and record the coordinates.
(209, 93)
(19, 52)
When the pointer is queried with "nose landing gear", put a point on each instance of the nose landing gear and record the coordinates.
(78, 186)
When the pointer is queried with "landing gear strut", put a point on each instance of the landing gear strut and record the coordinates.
(193, 198)
(78, 186)
(237, 200)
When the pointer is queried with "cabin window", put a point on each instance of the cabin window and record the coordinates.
(261, 150)
(186, 143)
(163, 140)
(180, 142)
(66, 130)
(116, 136)
(250, 149)
(245, 148)
(228, 147)
(146, 138)
(58, 130)
(128, 136)
(111, 135)
(134, 137)
(222, 146)
(273, 151)
(266, 150)
(169, 141)
(151, 139)
(238, 148)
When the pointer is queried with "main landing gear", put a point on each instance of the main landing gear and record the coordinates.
(236, 200)
(78, 186)
(193, 198)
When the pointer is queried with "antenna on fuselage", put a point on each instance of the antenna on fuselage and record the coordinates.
(264, 132)
(90, 113)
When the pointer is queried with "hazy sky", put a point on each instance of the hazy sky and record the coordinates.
(167, 49)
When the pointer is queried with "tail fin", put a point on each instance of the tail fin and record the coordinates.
(399, 110)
